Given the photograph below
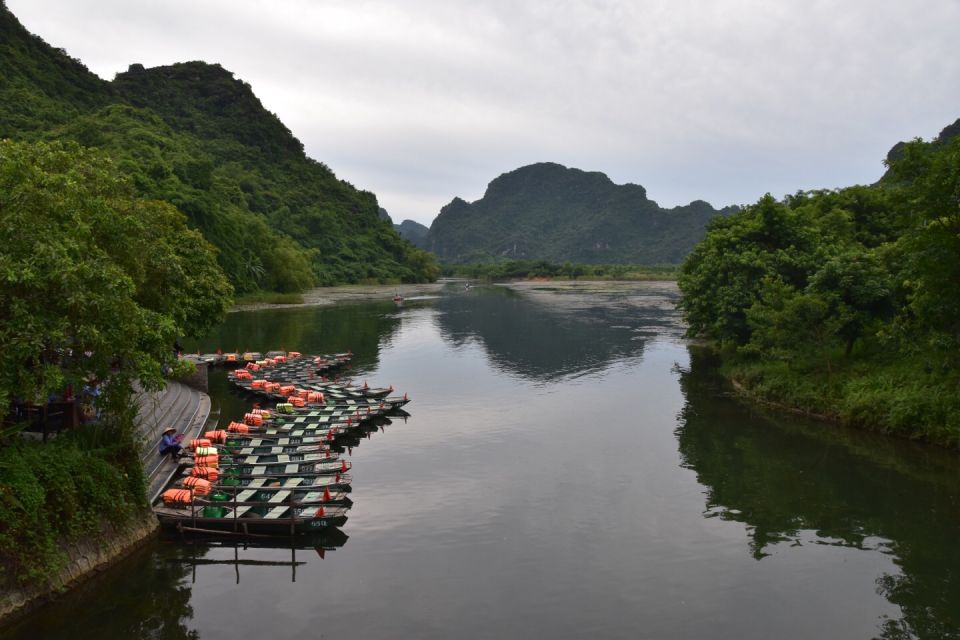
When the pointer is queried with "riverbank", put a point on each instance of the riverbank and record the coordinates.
(84, 560)
(324, 296)
(70, 511)
(901, 398)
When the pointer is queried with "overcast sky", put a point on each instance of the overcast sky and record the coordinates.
(423, 100)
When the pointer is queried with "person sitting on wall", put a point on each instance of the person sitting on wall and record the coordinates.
(170, 443)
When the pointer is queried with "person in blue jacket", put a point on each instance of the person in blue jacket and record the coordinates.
(170, 443)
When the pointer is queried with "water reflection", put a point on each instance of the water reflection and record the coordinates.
(155, 606)
(794, 483)
(360, 328)
(543, 334)
(285, 553)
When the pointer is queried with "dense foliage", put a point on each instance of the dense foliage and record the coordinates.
(844, 302)
(66, 491)
(93, 280)
(549, 212)
(508, 269)
(194, 136)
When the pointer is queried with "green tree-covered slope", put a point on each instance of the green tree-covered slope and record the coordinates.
(193, 135)
(548, 212)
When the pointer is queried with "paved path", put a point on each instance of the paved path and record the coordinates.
(179, 406)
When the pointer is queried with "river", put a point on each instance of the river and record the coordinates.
(572, 468)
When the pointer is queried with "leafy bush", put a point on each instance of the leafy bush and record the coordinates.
(58, 493)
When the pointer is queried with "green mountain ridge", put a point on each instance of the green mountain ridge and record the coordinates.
(546, 211)
(193, 135)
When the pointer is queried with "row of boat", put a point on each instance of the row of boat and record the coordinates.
(279, 469)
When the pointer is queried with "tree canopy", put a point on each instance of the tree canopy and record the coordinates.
(860, 282)
(93, 280)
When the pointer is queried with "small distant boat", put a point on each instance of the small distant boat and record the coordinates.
(398, 299)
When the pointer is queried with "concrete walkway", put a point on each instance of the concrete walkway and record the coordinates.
(179, 406)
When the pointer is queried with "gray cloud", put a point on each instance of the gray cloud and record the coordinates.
(425, 100)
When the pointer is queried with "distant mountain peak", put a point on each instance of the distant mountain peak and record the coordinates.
(546, 211)
(185, 90)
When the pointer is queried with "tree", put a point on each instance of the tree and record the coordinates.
(93, 281)
(723, 275)
(928, 177)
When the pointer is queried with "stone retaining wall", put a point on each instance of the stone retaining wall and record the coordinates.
(197, 380)
(84, 561)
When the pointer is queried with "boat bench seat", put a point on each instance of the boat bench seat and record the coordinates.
(242, 510)
(243, 496)
(290, 483)
(256, 483)
(276, 512)
(292, 468)
(279, 496)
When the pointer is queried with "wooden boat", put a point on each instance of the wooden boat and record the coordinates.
(296, 468)
(278, 440)
(279, 519)
(333, 400)
(303, 490)
(231, 482)
(305, 462)
(262, 450)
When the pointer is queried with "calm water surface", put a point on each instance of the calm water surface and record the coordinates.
(572, 468)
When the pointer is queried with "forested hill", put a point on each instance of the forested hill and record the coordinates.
(195, 136)
(413, 232)
(548, 212)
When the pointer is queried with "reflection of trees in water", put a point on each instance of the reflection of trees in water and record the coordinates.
(792, 481)
(148, 596)
(537, 341)
(345, 327)
(145, 596)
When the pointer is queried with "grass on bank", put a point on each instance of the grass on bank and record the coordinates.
(910, 398)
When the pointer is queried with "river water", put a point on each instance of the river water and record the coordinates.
(572, 468)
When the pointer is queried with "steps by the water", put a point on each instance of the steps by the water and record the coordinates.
(177, 405)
